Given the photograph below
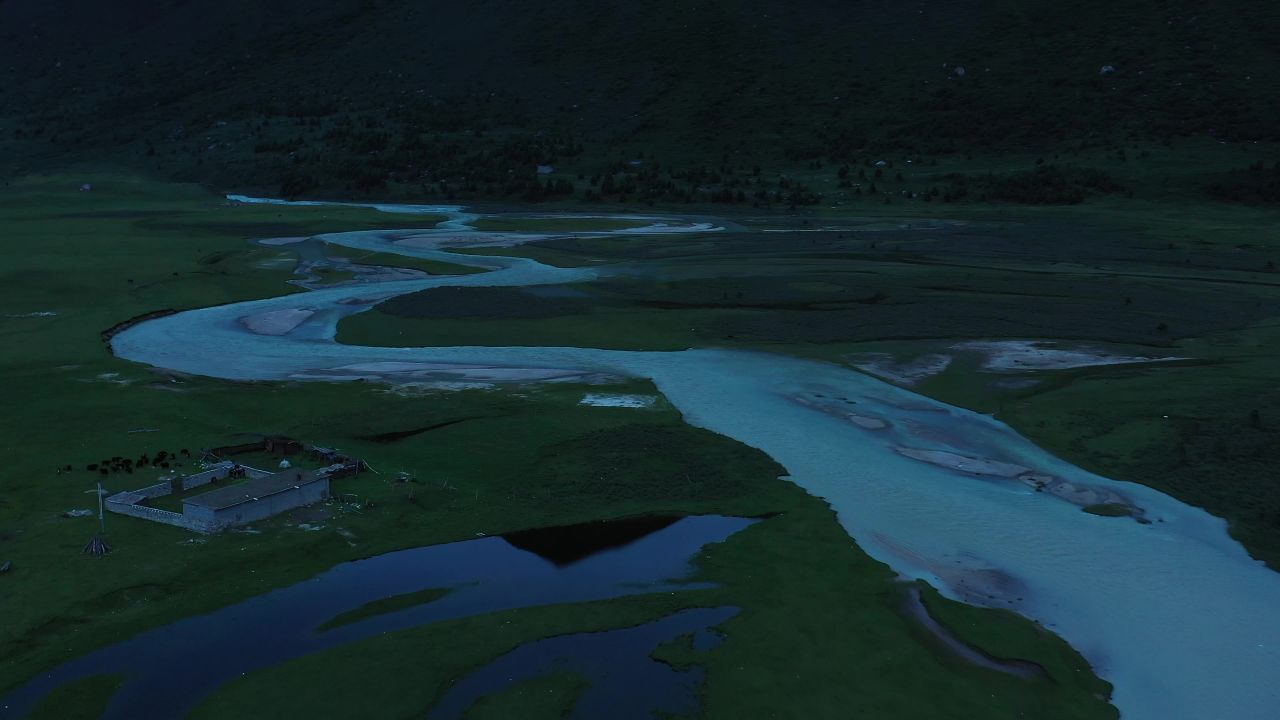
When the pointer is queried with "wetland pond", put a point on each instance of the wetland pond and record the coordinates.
(170, 669)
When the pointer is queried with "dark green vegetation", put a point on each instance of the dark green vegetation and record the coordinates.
(819, 633)
(1108, 510)
(455, 303)
(1255, 184)
(1199, 284)
(549, 697)
(762, 102)
(433, 267)
(1045, 185)
(842, 288)
(562, 223)
(783, 288)
(384, 606)
(80, 700)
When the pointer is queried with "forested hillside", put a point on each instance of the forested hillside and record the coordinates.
(466, 99)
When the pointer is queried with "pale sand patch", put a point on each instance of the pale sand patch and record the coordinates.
(481, 373)
(367, 300)
(618, 401)
(111, 377)
(910, 372)
(1077, 494)
(1026, 355)
(1081, 495)
(435, 240)
(383, 273)
(867, 423)
(837, 408)
(276, 322)
(971, 578)
(418, 389)
(665, 228)
(973, 466)
(279, 262)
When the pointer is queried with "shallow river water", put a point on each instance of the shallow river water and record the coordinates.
(1173, 612)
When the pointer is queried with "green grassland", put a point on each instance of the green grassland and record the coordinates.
(1204, 432)
(79, 700)
(813, 605)
(549, 697)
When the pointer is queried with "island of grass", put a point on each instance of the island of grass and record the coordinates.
(559, 223)
(85, 698)
(332, 276)
(1109, 510)
(548, 697)
(383, 606)
(386, 259)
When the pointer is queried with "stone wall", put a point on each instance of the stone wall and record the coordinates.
(152, 491)
(203, 520)
(129, 502)
(217, 472)
(150, 513)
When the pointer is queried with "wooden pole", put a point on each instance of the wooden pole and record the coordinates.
(102, 518)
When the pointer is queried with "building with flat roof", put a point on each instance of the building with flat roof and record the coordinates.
(256, 499)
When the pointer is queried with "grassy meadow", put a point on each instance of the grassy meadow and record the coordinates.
(819, 622)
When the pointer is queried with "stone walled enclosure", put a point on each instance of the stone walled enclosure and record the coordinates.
(130, 502)
(207, 521)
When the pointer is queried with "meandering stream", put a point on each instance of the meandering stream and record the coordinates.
(1173, 612)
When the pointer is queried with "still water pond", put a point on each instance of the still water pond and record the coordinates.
(169, 670)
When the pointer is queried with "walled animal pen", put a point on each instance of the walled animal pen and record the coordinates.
(255, 495)
(133, 502)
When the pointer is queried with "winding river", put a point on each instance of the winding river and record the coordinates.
(1172, 611)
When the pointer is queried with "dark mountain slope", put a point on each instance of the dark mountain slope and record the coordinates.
(418, 92)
